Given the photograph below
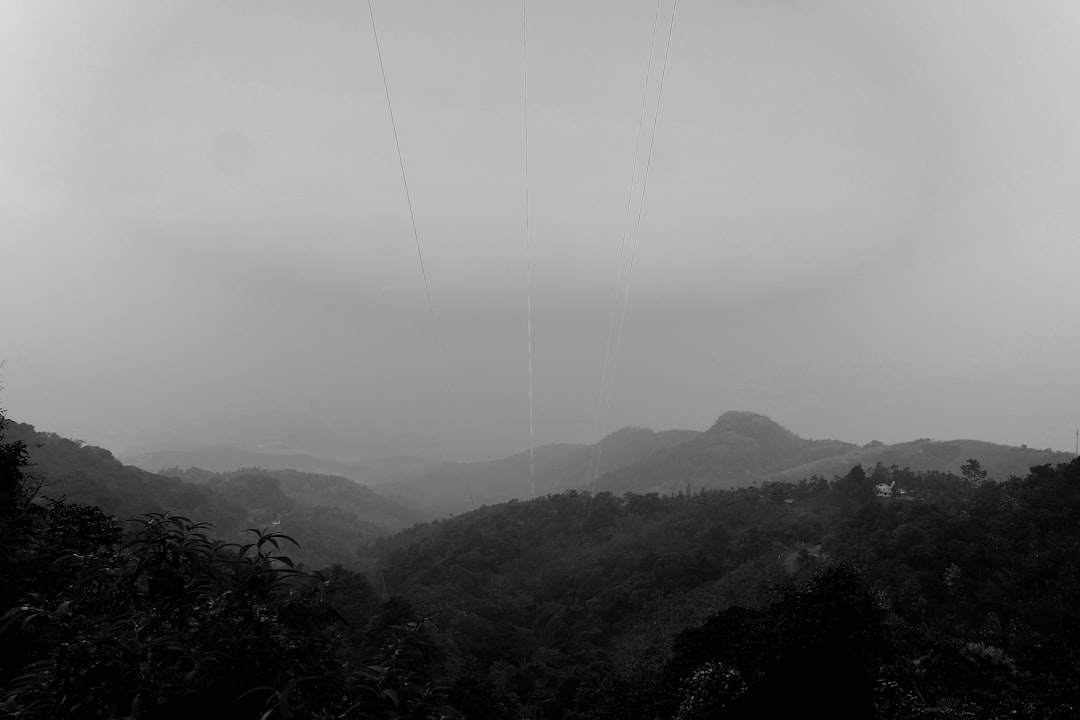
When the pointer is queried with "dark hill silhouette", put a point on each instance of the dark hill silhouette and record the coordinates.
(739, 448)
(334, 516)
(316, 490)
(93, 476)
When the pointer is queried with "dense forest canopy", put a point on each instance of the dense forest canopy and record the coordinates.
(883, 592)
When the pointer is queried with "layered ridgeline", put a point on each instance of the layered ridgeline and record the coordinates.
(309, 489)
(999, 461)
(334, 515)
(447, 486)
(740, 449)
(226, 458)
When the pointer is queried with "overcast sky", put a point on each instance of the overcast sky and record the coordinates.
(861, 219)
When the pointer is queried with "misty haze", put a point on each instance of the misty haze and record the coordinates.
(662, 360)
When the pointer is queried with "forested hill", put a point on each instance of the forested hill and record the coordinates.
(954, 599)
(739, 448)
(446, 487)
(333, 514)
(91, 475)
(999, 461)
(742, 448)
(315, 490)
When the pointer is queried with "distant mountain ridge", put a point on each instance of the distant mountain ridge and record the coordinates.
(447, 487)
(739, 448)
(742, 448)
(226, 458)
(999, 461)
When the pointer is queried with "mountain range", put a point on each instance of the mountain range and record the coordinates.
(450, 487)
(226, 458)
(740, 448)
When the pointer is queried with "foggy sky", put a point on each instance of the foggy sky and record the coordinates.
(861, 220)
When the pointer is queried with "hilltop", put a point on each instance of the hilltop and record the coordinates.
(740, 448)
(334, 514)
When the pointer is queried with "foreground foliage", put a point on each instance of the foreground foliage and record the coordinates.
(177, 624)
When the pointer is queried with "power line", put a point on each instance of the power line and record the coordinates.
(420, 256)
(641, 208)
(594, 465)
(636, 233)
(528, 247)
